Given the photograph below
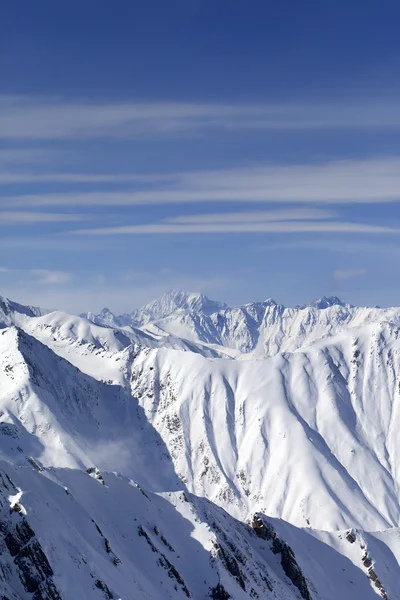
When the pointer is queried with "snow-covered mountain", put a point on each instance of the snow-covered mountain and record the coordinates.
(260, 328)
(12, 313)
(173, 302)
(139, 460)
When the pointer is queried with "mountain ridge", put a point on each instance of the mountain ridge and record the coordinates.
(258, 328)
(136, 462)
(174, 300)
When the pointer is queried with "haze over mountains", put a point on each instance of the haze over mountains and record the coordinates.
(191, 449)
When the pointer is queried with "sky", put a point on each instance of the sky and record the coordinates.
(243, 149)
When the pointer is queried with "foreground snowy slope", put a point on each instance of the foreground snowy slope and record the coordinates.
(72, 536)
(266, 478)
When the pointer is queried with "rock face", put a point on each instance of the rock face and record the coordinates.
(288, 560)
(25, 564)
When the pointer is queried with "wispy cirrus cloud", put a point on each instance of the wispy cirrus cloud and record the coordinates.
(29, 218)
(335, 182)
(25, 117)
(342, 275)
(246, 227)
(295, 214)
(40, 276)
(47, 276)
(286, 220)
(7, 177)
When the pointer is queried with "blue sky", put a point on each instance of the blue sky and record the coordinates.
(242, 149)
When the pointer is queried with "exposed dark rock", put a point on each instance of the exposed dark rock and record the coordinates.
(262, 530)
(164, 562)
(34, 464)
(219, 593)
(98, 528)
(104, 588)
(18, 538)
(165, 542)
(143, 533)
(47, 591)
(293, 571)
(265, 531)
(374, 578)
(9, 430)
(367, 561)
(18, 508)
(231, 565)
(96, 474)
(174, 574)
(351, 536)
(33, 566)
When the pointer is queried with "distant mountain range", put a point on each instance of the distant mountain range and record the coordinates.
(260, 328)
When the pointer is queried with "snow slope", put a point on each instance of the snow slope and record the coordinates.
(81, 538)
(137, 465)
(310, 436)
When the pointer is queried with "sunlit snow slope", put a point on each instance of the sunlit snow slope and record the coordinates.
(140, 465)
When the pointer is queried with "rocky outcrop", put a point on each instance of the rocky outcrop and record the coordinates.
(21, 549)
(265, 531)
(219, 593)
(369, 565)
(163, 561)
(230, 563)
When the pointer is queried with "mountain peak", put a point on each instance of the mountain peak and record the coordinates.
(177, 300)
(270, 302)
(327, 302)
(11, 311)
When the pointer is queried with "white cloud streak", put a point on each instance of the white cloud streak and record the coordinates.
(261, 227)
(29, 218)
(41, 276)
(24, 117)
(335, 182)
(342, 275)
(297, 214)
(47, 276)
(8, 177)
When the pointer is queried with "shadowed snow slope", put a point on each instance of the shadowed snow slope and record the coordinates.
(135, 465)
